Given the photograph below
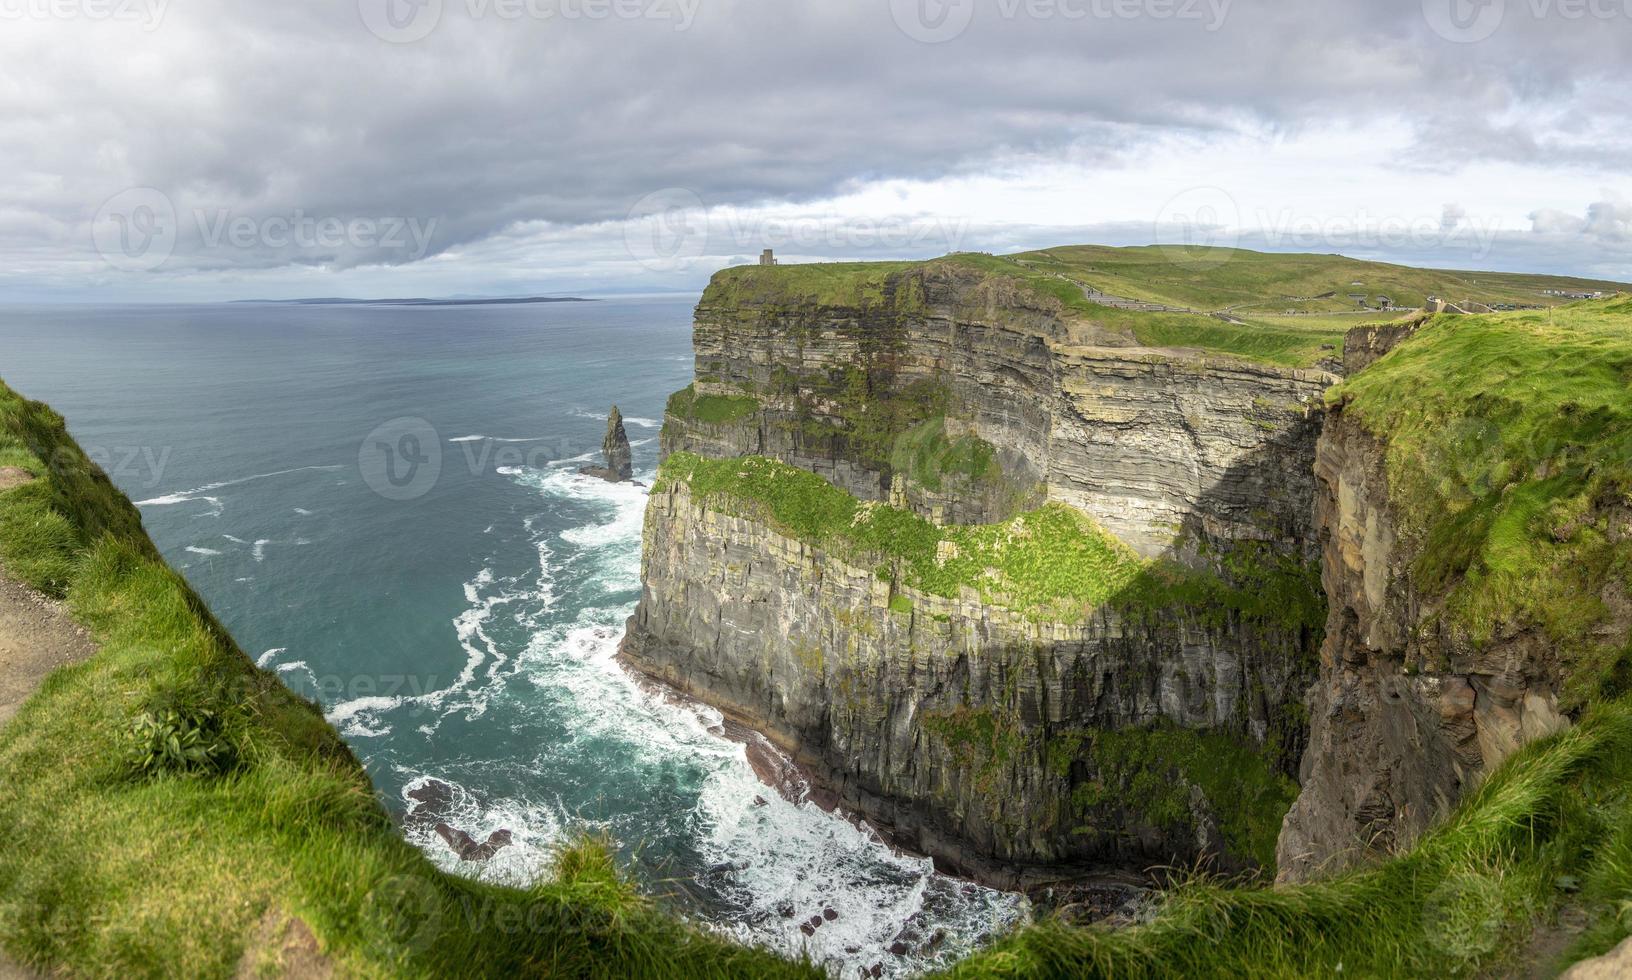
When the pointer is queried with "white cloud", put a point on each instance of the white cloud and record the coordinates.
(521, 141)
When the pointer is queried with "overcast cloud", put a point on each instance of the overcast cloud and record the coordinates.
(182, 149)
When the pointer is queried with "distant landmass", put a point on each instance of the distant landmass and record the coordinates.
(338, 301)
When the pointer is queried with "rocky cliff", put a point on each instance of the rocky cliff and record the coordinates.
(878, 387)
(1472, 513)
(615, 450)
(1007, 723)
(1006, 746)
(1405, 715)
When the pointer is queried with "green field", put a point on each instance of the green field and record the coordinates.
(1207, 280)
(1289, 318)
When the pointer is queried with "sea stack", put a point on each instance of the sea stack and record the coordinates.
(619, 461)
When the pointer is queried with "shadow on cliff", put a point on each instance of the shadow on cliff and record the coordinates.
(1174, 736)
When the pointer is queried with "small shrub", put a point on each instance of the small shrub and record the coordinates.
(180, 741)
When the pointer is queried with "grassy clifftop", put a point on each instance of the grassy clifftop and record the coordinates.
(1270, 307)
(1510, 460)
(1284, 309)
(1210, 279)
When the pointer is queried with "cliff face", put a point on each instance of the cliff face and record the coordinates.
(996, 738)
(1405, 715)
(1473, 552)
(1154, 444)
(967, 731)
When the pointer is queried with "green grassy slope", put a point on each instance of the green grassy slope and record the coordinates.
(1293, 308)
(1510, 458)
(113, 871)
(1271, 282)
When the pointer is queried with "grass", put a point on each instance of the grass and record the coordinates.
(928, 458)
(712, 409)
(1513, 483)
(1271, 282)
(1051, 563)
(1283, 341)
(1258, 288)
(112, 872)
(861, 285)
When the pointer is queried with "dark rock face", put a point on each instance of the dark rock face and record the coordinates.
(432, 800)
(960, 728)
(615, 447)
(1406, 714)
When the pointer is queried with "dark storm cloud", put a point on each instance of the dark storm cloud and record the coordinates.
(296, 135)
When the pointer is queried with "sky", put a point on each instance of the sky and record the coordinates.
(204, 150)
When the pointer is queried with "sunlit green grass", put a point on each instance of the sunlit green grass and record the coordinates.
(1257, 287)
(1510, 460)
(1050, 563)
(713, 409)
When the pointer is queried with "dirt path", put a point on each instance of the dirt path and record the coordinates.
(36, 637)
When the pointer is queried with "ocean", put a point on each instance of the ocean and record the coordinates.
(382, 504)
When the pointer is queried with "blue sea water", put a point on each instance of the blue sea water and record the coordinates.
(382, 503)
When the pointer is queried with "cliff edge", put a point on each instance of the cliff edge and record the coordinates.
(1028, 594)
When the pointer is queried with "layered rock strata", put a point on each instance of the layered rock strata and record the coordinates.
(1008, 744)
(968, 731)
(1408, 713)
